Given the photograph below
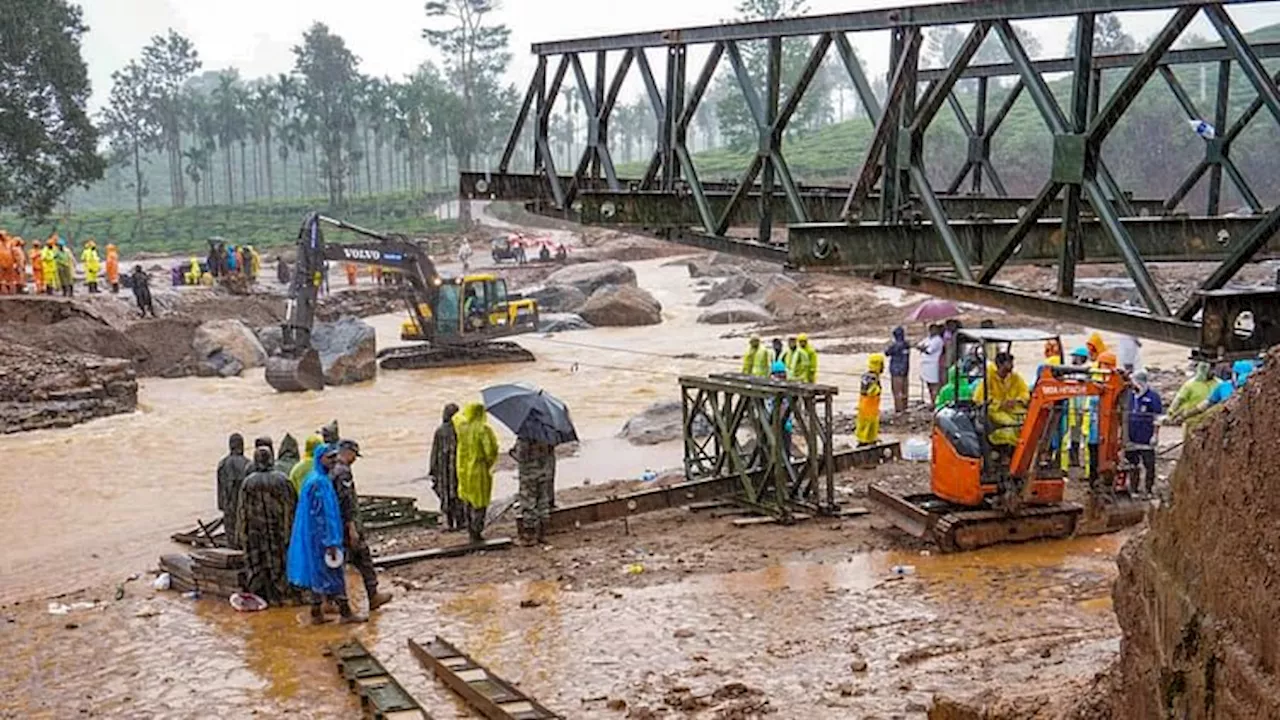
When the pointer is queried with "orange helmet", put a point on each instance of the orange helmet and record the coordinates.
(1107, 360)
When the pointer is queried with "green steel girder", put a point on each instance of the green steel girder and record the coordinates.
(651, 208)
(871, 246)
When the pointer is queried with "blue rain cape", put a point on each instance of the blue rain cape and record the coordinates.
(317, 525)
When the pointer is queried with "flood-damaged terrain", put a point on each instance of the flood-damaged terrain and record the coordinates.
(673, 614)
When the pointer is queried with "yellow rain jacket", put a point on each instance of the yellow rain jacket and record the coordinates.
(92, 263)
(867, 429)
(1005, 422)
(302, 468)
(757, 361)
(804, 361)
(477, 454)
(49, 266)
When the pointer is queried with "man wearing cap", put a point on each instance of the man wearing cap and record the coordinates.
(1144, 434)
(358, 553)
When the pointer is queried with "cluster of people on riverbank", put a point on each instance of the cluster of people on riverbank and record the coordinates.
(296, 519)
(52, 266)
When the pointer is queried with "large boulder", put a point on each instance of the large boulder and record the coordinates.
(713, 265)
(734, 311)
(561, 322)
(737, 287)
(786, 302)
(621, 305)
(661, 422)
(272, 339)
(231, 337)
(557, 298)
(348, 350)
(589, 277)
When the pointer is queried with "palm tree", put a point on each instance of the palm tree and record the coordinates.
(286, 91)
(229, 121)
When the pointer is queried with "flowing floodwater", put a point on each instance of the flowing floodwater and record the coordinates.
(98, 500)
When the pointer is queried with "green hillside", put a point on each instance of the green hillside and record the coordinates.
(260, 224)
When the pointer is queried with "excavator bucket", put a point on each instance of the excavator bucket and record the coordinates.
(296, 374)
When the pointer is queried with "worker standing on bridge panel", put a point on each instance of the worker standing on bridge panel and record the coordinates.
(867, 429)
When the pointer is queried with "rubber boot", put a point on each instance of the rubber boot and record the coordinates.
(317, 614)
(347, 616)
(526, 536)
(377, 599)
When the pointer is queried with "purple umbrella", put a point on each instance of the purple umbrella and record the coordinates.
(932, 311)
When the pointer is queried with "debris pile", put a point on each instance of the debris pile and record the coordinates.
(212, 571)
(1195, 598)
(40, 389)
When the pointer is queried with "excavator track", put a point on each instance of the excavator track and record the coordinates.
(417, 357)
(956, 528)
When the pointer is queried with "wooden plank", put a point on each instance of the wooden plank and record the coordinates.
(853, 511)
(488, 694)
(387, 561)
(767, 520)
(709, 505)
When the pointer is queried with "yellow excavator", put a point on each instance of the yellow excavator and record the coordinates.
(452, 321)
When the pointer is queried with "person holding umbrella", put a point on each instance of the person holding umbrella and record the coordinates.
(540, 422)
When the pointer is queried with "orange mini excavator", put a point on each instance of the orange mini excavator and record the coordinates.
(985, 493)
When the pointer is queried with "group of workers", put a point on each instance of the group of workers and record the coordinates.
(297, 520)
(464, 452)
(223, 260)
(53, 266)
(796, 361)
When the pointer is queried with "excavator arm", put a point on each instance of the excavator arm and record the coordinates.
(298, 366)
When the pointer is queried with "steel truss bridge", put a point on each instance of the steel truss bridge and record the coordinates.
(892, 224)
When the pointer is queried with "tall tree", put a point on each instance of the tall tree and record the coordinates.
(169, 61)
(130, 123)
(737, 126)
(229, 119)
(329, 70)
(1109, 37)
(47, 144)
(475, 58)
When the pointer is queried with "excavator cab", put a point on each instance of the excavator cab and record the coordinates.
(474, 306)
(975, 443)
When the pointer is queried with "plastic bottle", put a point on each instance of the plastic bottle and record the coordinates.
(916, 450)
(648, 475)
(1203, 129)
(903, 569)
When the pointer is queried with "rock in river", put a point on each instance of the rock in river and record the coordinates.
(557, 298)
(660, 422)
(589, 277)
(561, 322)
(737, 287)
(621, 305)
(348, 350)
(233, 339)
(734, 311)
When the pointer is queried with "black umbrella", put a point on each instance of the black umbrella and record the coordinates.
(530, 413)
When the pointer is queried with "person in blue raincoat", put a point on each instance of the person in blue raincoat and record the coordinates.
(315, 559)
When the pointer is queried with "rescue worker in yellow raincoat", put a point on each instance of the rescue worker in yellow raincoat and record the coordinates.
(7, 272)
(477, 454)
(20, 264)
(92, 264)
(65, 263)
(810, 362)
(37, 268)
(758, 359)
(1007, 397)
(253, 260)
(113, 267)
(1096, 347)
(867, 429)
(49, 264)
(192, 275)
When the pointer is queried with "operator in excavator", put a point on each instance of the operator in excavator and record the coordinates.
(1007, 397)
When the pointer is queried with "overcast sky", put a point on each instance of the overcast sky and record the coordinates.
(256, 36)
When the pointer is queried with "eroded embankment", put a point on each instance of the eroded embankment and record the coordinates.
(1197, 593)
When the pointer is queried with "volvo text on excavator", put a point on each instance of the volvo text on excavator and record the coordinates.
(1000, 466)
(455, 320)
